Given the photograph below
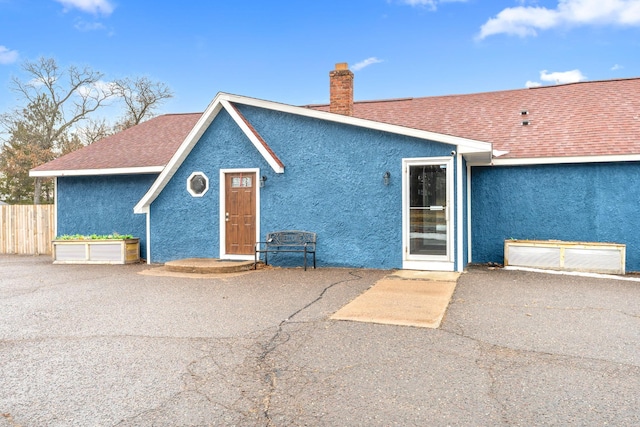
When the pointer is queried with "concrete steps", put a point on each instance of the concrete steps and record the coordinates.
(207, 266)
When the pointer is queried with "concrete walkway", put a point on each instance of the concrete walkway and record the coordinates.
(405, 298)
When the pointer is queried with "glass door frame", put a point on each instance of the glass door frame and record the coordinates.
(428, 262)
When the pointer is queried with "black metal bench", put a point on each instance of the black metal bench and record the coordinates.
(287, 241)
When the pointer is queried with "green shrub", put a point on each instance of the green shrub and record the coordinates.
(112, 236)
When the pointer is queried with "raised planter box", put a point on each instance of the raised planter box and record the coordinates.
(122, 251)
(567, 256)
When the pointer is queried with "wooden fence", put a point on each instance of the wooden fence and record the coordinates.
(26, 229)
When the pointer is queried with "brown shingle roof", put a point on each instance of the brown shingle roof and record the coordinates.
(579, 119)
(149, 144)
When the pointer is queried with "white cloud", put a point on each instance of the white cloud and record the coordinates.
(82, 25)
(617, 67)
(428, 3)
(431, 4)
(562, 77)
(103, 7)
(8, 56)
(369, 61)
(558, 77)
(528, 20)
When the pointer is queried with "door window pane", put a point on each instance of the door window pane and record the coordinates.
(428, 210)
(241, 182)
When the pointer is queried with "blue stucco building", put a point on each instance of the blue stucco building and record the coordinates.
(418, 183)
(369, 192)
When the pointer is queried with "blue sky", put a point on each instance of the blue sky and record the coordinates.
(284, 50)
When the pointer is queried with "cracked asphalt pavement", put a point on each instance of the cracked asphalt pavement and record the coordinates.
(105, 346)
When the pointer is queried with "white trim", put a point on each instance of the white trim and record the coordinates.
(206, 184)
(55, 207)
(89, 172)
(459, 221)
(425, 262)
(179, 156)
(469, 241)
(223, 233)
(277, 168)
(222, 100)
(464, 145)
(562, 160)
(148, 231)
(191, 139)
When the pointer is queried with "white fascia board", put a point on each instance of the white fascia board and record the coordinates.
(89, 172)
(562, 160)
(464, 145)
(180, 155)
(252, 137)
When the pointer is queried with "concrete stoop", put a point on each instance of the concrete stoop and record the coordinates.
(207, 266)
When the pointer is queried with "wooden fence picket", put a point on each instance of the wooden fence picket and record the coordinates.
(26, 229)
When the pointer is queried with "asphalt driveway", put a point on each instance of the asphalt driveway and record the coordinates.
(105, 346)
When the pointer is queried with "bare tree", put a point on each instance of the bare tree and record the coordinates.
(57, 117)
(71, 94)
(94, 130)
(141, 97)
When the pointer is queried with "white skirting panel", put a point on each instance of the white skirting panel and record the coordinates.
(593, 257)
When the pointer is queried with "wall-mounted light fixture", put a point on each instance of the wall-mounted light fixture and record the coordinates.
(263, 179)
(386, 177)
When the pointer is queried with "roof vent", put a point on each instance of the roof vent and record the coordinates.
(526, 122)
(524, 112)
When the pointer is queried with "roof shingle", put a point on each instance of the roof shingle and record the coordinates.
(149, 144)
(579, 119)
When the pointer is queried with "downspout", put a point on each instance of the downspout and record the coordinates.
(469, 214)
(459, 217)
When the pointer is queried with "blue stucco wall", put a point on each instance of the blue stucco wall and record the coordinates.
(332, 185)
(596, 202)
(102, 205)
(183, 226)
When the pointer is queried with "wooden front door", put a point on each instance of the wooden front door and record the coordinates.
(240, 213)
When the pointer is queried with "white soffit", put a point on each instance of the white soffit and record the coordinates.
(564, 160)
(92, 172)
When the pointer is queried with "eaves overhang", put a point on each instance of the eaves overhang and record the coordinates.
(93, 172)
(464, 146)
(221, 101)
(558, 160)
(479, 151)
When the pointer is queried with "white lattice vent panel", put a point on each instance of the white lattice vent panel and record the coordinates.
(571, 256)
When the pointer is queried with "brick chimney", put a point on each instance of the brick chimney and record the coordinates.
(341, 90)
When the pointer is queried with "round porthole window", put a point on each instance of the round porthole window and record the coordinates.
(197, 184)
